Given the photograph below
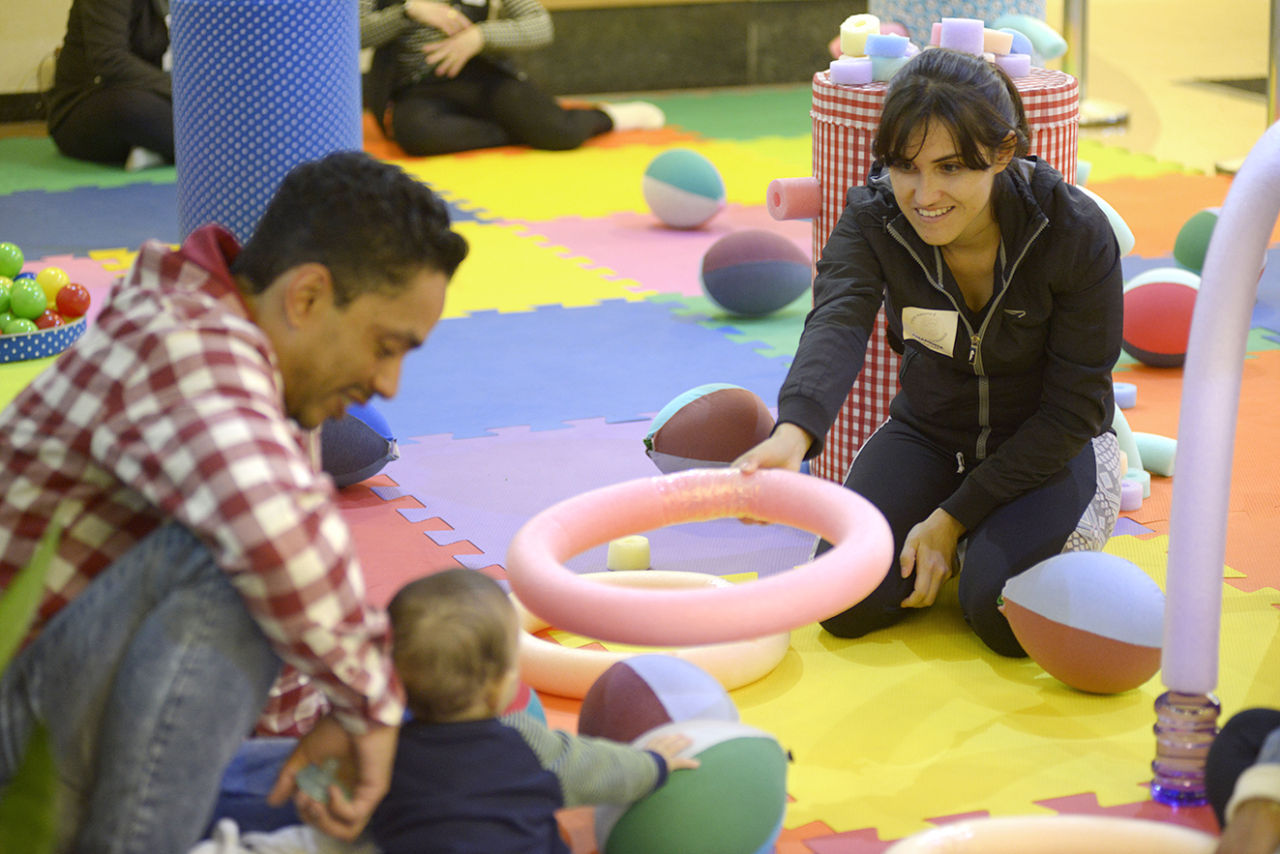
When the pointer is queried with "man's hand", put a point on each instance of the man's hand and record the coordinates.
(449, 56)
(366, 761)
(930, 552)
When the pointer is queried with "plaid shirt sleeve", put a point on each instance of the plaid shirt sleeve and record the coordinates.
(199, 433)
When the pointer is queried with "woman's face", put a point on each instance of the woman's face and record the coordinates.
(946, 202)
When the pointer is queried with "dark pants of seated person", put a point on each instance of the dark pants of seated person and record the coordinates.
(1234, 749)
(907, 476)
(106, 124)
(483, 107)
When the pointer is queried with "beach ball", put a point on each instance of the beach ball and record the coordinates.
(754, 272)
(1158, 305)
(683, 188)
(1092, 620)
(526, 700)
(1192, 243)
(356, 446)
(647, 691)
(708, 426)
(733, 803)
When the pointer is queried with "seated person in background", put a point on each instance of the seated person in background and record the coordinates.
(440, 69)
(1242, 777)
(201, 547)
(466, 781)
(112, 100)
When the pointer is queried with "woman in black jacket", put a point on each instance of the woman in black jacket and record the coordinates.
(1002, 289)
(112, 99)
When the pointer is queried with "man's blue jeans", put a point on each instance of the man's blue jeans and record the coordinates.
(148, 681)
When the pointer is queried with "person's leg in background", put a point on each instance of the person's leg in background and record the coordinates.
(1074, 510)
(148, 681)
(906, 477)
(444, 117)
(108, 124)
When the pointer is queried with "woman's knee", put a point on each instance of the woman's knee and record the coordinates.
(980, 605)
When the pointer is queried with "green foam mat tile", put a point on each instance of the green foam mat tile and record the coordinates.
(33, 163)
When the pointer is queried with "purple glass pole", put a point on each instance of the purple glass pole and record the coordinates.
(1206, 436)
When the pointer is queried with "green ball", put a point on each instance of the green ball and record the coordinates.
(1193, 239)
(18, 325)
(5, 284)
(27, 299)
(11, 260)
(5, 317)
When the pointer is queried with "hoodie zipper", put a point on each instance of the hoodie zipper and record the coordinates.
(975, 338)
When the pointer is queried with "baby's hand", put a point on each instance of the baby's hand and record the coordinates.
(669, 746)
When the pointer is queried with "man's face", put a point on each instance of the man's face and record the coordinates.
(347, 355)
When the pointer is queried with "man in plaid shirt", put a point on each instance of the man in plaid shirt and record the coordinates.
(201, 548)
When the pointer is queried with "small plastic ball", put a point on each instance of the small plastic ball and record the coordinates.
(11, 260)
(683, 188)
(27, 299)
(52, 279)
(19, 325)
(73, 300)
(49, 319)
(5, 285)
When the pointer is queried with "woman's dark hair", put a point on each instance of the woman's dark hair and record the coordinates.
(975, 100)
(369, 222)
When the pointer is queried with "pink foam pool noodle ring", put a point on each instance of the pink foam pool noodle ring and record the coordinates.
(793, 198)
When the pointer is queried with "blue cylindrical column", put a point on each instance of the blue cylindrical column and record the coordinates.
(259, 86)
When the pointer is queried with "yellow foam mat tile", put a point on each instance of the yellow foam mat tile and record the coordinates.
(508, 271)
(598, 182)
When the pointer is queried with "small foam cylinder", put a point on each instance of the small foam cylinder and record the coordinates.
(998, 42)
(794, 198)
(259, 86)
(1014, 64)
(963, 34)
(854, 32)
(886, 44)
(851, 70)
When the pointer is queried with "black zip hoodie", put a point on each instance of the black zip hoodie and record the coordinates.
(1023, 384)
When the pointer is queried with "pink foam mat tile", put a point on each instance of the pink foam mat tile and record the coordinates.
(636, 246)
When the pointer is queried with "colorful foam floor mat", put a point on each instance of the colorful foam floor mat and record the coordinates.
(578, 317)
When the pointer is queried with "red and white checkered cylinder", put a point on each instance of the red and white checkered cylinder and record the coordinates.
(845, 119)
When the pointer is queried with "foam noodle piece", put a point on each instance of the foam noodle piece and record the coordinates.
(1044, 39)
(851, 71)
(628, 553)
(1083, 168)
(826, 585)
(912, 50)
(1130, 494)
(1143, 477)
(793, 198)
(884, 67)
(1126, 395)
(1124, 234)
(1158, 452)
(1014, 64)
(1020, 43)
(1124, 437)
(962, 34)
(854, 32)
(935, 34)
(257, 89)
(998, 42)
(879, 44)
(1025, 834)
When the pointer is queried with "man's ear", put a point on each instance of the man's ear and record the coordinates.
(306, 288)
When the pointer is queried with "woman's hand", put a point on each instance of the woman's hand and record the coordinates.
(785, 449)
(930, 552)
(449, 56)
(442, 16)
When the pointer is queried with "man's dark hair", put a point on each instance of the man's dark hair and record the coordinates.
(371, 224)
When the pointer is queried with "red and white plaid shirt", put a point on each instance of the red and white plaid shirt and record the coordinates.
(170, 407)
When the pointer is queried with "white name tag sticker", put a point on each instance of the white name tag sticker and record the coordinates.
(934, 328)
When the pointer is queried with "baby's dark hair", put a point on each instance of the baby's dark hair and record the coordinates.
(973, 99)
(370, 223)
(452, 636)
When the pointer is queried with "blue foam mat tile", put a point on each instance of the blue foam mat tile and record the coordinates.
(617, 360)
(72, 221)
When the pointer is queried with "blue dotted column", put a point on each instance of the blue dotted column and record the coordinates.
(259, 86)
